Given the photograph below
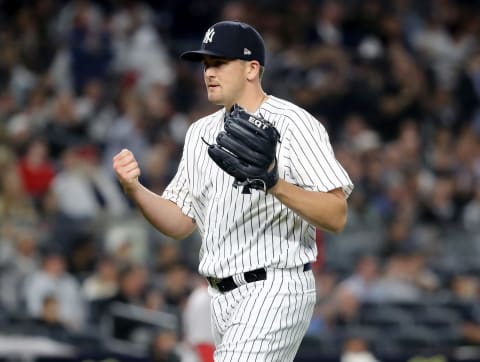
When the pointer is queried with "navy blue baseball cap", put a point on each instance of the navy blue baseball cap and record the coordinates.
(230, 40)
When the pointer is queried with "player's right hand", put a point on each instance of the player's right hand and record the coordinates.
(127, 170)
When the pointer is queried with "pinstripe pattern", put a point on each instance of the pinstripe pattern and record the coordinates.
(261, 321)
(245, 232)
(264, 321)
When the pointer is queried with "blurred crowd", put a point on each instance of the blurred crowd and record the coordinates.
(397, 85)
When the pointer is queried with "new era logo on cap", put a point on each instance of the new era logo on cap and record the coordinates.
(230, 40)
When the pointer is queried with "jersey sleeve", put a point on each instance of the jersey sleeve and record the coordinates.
(312, 160)
(178, 190)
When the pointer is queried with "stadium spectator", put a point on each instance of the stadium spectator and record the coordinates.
(52, 279)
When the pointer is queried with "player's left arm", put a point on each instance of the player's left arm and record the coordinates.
(318, 186)
(325, 210)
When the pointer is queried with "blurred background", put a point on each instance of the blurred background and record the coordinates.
(397, 85)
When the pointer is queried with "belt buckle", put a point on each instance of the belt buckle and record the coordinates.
(215, 282)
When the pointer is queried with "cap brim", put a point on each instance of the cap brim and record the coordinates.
(198, 55)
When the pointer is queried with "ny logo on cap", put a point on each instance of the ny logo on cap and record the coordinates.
(209, 36)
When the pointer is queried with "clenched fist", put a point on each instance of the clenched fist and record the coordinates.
(127, 169)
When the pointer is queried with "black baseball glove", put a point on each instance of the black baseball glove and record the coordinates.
(246, 150)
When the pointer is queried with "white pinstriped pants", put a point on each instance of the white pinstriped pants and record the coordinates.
(265, 320)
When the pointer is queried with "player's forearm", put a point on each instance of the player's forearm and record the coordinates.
(325, 210)
(163, 214)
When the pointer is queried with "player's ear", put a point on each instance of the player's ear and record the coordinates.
(253, 69)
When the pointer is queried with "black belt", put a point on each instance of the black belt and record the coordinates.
(227, 284)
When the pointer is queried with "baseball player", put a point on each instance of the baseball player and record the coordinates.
(256, 177)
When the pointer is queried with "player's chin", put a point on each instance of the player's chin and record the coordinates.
(214, 98)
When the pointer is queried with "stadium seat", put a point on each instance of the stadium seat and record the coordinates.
(385, 317)
(414, 339)
(437, 317)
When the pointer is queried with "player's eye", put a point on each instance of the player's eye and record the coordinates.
(214, 63)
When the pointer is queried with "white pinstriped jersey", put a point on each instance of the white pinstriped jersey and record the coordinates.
(242, 232)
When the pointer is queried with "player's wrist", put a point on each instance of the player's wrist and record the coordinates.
(130, 188)
(276, 189)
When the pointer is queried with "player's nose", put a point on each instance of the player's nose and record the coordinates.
(209, 72)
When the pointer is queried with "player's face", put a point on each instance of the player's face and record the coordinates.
(225, 80)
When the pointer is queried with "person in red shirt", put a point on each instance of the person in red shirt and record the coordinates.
(35, 169)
